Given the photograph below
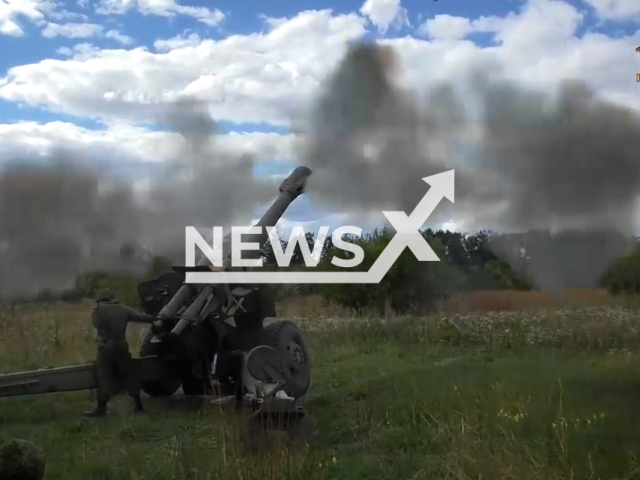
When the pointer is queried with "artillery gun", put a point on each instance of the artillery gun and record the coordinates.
(193, 345)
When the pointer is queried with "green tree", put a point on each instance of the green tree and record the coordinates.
(408, 286)
(159, 265)
(123, 286)
(623, 277)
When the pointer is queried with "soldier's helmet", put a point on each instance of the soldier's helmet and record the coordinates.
(21, 460)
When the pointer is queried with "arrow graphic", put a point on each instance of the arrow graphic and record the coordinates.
(407, 235)
(408, 228)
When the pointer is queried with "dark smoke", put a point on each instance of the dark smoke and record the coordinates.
(542, 160)
(568, 162)
(369, 146)
(64, 218)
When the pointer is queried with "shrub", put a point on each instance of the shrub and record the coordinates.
(623, 277)
(123, 286)
(408, 286)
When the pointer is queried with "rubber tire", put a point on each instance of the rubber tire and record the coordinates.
(157, 388)
(278, 335)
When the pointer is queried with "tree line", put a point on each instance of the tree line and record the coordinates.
(481, 261)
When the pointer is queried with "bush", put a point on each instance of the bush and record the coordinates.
(624, 276)
(88, 283)
(504, 277)
(409, 285)
(121, 284)
(123, 287)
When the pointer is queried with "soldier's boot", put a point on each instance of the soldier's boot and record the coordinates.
(99, 411)
(137, 404)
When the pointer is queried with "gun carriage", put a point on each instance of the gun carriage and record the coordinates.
(210, 339)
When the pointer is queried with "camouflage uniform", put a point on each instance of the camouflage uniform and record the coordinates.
(114, 363)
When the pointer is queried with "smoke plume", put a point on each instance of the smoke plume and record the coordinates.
(524, 160)
(539, 160)
(64, 218)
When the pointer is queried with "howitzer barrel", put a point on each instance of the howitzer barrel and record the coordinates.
(290, 189)
(191, 313)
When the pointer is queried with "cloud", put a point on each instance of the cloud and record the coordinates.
(84, 30)
(71, 30)
(79, 51)
(119, 37)
(385, 13)
(616, 9)
(502, 109)
(66, 205)
(270, 76)
(545, 159)
(163, 8)
(245, 78)
(177, 42)
(452, 226)
(447, 27)
(124, 142)
(11, 11)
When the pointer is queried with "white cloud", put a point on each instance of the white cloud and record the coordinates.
(67, 16)
(71, 30)
(616, 9)
(453, 226)
(270, 76)
(11, 11)
(84, 30)
(174, 43)
(124, 141)
(246, 77)
(79, 52)
(542, 25)
(10, 28)
(385, 13)
(119, 37)
(447, 27)
(163, 8)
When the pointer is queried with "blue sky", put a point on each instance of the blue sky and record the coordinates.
(245, 17)
(64, 92)
(242, 17)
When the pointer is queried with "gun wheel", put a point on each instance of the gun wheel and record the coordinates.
(288, 340)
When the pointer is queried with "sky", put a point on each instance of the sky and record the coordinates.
(89, 76)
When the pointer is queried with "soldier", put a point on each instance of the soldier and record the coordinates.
(113, 363)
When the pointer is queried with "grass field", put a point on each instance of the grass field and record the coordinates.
(496, 386)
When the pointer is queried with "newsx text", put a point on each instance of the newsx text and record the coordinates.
(214, 251)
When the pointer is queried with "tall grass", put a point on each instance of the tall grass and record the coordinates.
(493, 385)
